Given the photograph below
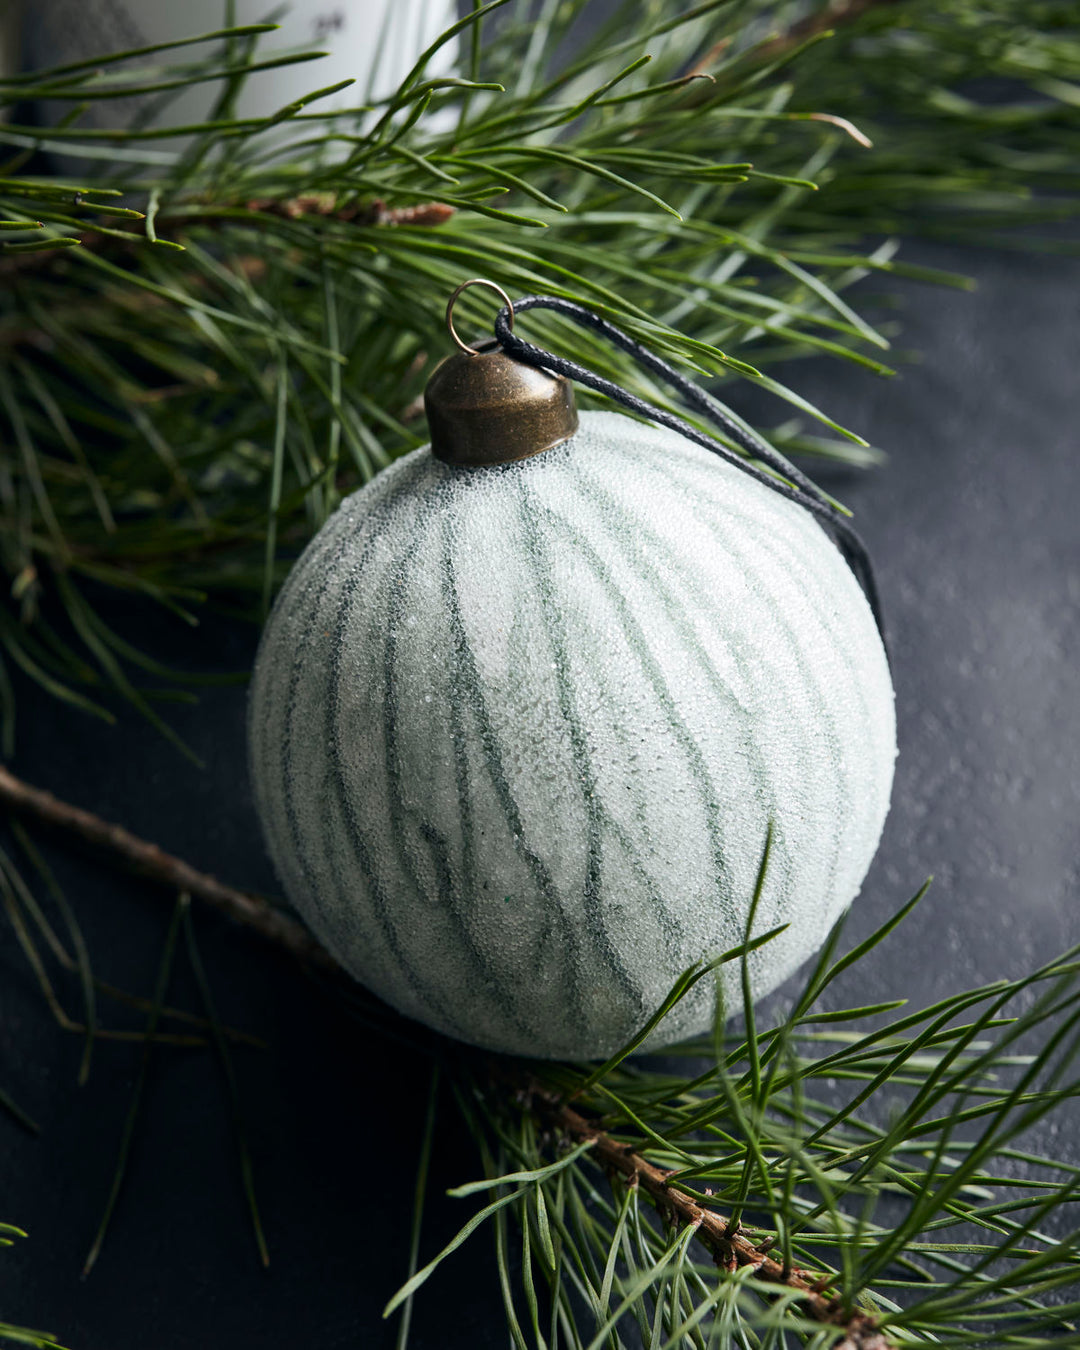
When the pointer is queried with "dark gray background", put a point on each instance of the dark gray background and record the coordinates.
(973, 527)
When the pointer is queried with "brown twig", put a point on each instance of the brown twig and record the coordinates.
(154, 863)
(832, 15)
(375, 212)
(253, 213)
(730, 1247)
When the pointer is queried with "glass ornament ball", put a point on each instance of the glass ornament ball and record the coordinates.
(518, 734)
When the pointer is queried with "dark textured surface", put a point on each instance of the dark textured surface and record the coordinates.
(973, 527)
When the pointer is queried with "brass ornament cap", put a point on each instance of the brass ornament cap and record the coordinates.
(485, 407)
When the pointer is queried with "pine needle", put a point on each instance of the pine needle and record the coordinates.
(128, 1135)
(225, 1059)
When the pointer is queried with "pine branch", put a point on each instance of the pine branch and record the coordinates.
(249, 214)
(723, 1239)
(835, 14)
(179, 413)
(816, 24)
(153, 863)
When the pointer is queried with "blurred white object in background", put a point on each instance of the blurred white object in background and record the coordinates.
(374, 42)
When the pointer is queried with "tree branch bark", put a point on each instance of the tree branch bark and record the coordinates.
(832, 15)
(254, 213)
(730, 1248)
(152, 862)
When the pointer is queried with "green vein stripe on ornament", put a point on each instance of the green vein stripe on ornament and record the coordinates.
(474, 698)
(594, 907)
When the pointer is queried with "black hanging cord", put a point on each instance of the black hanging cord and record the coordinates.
(792, 483)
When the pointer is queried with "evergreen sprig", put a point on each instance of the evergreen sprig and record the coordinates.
(851, 1177)
(206, 342)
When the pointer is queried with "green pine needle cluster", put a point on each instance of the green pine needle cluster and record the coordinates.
(208, 340)
(209, 334)
(877, 1149)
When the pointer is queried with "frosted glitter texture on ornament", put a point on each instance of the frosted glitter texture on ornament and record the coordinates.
(517, 734)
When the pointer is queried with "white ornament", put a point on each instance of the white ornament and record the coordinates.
(517, 735)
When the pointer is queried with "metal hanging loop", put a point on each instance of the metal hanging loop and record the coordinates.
(486, 408)
(475, 281)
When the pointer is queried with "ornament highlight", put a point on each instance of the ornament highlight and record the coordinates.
(518, 733)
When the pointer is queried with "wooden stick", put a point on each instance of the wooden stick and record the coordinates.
(154, 863)
(730, 1247)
